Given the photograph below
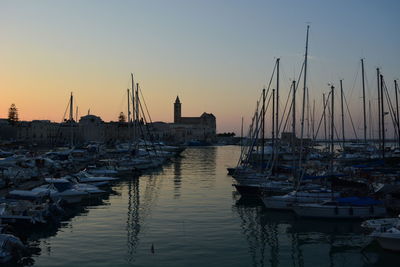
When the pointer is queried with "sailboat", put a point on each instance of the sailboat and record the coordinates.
(308, 193)
(343, 208)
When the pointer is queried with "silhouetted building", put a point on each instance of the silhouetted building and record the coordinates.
(91, 128)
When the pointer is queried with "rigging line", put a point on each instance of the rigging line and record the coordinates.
(354, 81)
(291, 105)
(66, 109)
(391, 109)
(258, 128)
(150, 120)
(308, 113)
(351, 119)
(323, 114)
(243, 149)
(293, 92)
(371, 100)
(283, 77)
(337, 136)
(62, 120)
(270, 160)
(272, 76)
(250, 135)
(144, 102)
(253, 136)
(367, 84)
(284, 111)
(142, 132)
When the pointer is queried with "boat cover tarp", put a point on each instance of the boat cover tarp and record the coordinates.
(371, 164)
(358, 201)
(311, 177)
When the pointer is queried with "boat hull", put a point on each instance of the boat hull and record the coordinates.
(339, 212)
(387, 240)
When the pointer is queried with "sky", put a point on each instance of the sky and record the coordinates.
(216, 55)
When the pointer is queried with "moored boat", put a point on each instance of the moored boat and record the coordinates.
(342, 208)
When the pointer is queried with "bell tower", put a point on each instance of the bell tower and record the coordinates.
(177, 110)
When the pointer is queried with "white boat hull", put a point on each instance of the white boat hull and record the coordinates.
(389, 239)
(286, 202)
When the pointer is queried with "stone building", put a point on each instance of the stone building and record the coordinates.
(91, 128)
(185, 129)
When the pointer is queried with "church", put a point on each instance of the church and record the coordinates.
(206, 119)
(186, 129)
(201, 128)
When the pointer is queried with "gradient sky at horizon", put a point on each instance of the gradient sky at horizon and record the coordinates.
(216, 55)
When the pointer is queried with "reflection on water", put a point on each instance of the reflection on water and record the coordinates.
(280, 238)
(140, 201)
(194, 217)
(200, 164)
(177, 177)
(133, 220)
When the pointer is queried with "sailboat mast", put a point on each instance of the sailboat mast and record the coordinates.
(364, 109)
(273, 120)
(342, 109)
(396, 89)
(383, 118)
(137, 111)
(324, 114)
(133, 108)
(332, 125)
(371, 135)
(263, 130)
(313, 120)
(133, 98)
(71, 106)
(71, 119)
(304, 97)
(379, 106)
(137, 102)
(277, 99)
(294, 109)
(129, 106)
(241, 136)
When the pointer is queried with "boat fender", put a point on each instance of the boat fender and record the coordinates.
(152, 248)
(336, 210)
(351, 211)
(371, 209)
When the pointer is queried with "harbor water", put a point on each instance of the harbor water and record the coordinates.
(189, 214)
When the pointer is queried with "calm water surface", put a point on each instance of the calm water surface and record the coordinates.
(190, 213)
